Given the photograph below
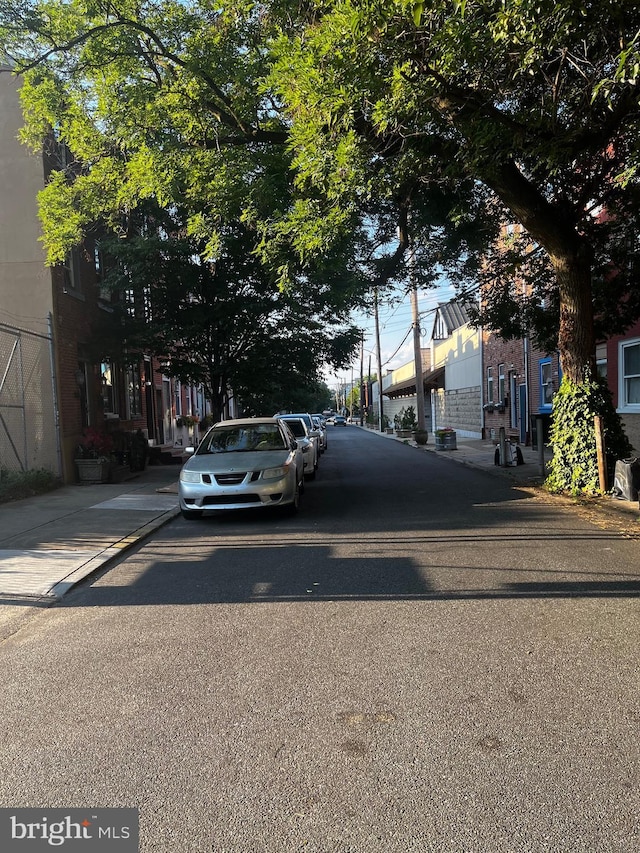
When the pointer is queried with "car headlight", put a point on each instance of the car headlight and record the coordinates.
(190, 476)
(274, 473)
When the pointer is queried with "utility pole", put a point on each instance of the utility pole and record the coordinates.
(417, 350)
(362, 379)
(379, 357)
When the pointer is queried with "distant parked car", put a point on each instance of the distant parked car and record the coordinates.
(308, 447)
(239, 464)
(321, 426)
(312, 431)
(339, 420)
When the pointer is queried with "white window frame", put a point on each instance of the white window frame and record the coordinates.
(623, 404)
(490, 390)
(71, 271)
(134, 391)
(545, 367)
(502, 393)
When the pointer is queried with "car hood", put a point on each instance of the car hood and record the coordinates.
(251, 460)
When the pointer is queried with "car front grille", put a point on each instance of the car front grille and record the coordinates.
(233, 479)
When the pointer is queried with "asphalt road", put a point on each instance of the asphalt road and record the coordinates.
(425, 659)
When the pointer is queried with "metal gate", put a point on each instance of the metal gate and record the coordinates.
(28, 409)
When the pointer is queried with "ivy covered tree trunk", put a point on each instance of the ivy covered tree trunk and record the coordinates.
(574, 466)
(582, 396)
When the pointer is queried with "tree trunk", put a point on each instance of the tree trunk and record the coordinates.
(218, 397)
(576, 340)
(551, 227)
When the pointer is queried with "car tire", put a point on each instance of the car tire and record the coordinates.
(311, 475)
(191, 514)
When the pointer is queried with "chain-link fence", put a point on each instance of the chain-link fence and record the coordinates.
(28, 429)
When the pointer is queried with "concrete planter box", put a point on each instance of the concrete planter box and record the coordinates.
(93, 471)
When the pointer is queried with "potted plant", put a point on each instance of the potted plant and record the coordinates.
(186, 420)
(421, 436)
(94, 456)
(405, 422)
(446, 438)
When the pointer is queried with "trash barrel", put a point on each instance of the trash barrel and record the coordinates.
(626, 479)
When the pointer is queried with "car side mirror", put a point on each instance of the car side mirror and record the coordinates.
(189, 451)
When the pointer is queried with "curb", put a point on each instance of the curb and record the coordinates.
(59, 589)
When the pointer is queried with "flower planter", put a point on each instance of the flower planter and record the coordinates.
(93, 470)
(403, 433)
(446, 440)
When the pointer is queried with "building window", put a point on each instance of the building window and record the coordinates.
(71, 271)
(109, 389)
(177, 392)
(489, 384)
(98, 263)
(601, 361)
(501, 384)
(134, 392)
(629, 397)
(546, 385)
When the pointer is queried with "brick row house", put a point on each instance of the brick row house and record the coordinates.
(57, 377)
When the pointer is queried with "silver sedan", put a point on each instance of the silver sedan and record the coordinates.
(242, 464)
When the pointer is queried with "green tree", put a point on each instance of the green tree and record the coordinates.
(219, 323)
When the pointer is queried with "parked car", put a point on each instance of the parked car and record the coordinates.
(312, 431)
(309, 448)
(339, 420)
(322, 429)
(254, 462)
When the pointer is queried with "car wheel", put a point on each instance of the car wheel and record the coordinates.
(311, 475)
(191, 514)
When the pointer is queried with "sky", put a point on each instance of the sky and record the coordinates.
(396, 336)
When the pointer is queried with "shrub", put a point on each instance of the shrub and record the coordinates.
(409, 419)
(574, 466)
(16, 485)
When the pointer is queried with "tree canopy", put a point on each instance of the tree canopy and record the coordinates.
(380, 122)
(220, 324)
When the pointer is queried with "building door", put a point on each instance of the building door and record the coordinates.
(148, 400)
(167, 402)
(522, 409)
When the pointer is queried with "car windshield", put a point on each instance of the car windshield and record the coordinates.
(242, 438)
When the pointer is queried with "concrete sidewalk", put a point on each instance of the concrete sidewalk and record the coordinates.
(480, 453)
(51, 542)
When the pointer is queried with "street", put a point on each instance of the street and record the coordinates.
(424, 659)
